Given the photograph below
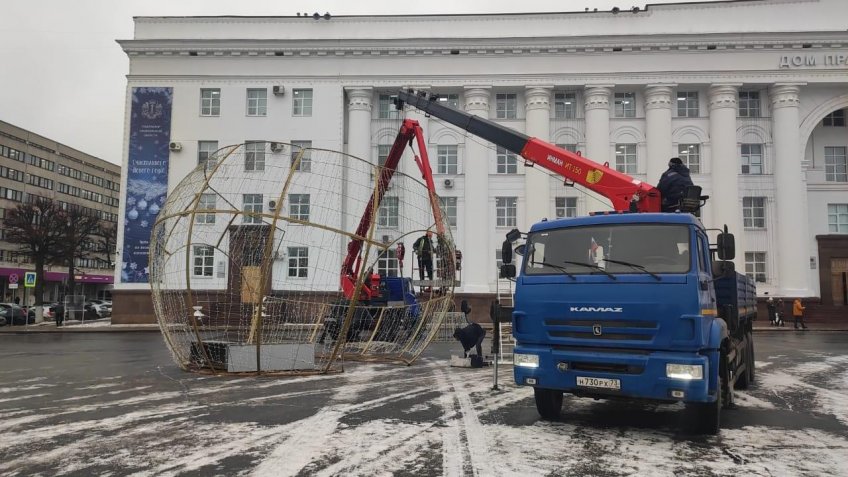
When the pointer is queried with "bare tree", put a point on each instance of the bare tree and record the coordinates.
(79, 233)
(38, 228)
(107, 236)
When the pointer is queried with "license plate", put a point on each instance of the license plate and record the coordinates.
(603, 383)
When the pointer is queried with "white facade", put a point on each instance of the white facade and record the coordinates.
(752, 78)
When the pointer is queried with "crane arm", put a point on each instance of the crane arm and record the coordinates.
(625, 192)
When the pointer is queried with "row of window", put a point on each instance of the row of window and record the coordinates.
(12, 256)
(86, 177)
(755, 262)
(255, 154)
(203, 261)
(12, 174)
(91, 263)
(42, 163)
(85, 194)
(39, 181)
(751, 159)
(506, 209)
(256, 102)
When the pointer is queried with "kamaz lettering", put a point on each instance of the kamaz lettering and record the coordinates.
(596, 309)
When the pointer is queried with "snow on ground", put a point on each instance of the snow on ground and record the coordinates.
(427, 419)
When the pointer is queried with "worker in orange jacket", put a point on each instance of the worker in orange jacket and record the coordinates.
(798, 313)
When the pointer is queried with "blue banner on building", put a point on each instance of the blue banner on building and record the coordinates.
(147, 177)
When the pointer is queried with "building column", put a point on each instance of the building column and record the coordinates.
(358, 145)
(597, 104)
(477, 231)
(658, 103)
(537, 184)
(791, 211)
(726, 204)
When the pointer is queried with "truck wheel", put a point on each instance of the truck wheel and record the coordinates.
(747, 378)
(548, 403)
(705, 418)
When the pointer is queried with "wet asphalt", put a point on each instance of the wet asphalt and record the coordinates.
(116, 404)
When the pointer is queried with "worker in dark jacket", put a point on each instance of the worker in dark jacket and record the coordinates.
(471, 336)
(673, 183)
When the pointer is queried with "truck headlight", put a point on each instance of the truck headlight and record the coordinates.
(525, 360)
(684, 371)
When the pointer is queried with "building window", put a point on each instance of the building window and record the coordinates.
(625, 105)
(835, 119)
(752, 158)
(387, 264)
(687, 104)
(383, 154)
(835, 166)
(447, 159)
(506, 209)
(257, 102)
(754, 212)
(837, 218)
(755, 266)
(625, 158)
(449, 209)
(565, 105)
(254, 156)
(252, 204)
(749, 104)
(204, 260)
(690, 154)
(11, 194)
(206, 202)
(507, 105)
(305, 164)
(298, 262)
(210, 102)
(566, 207)
(451, 100)
(507, 162)
(205, 151)
(387, 214)
(386, 107)
(299, 206)
(302, 104)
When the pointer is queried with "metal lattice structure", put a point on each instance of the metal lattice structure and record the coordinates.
(247, 250)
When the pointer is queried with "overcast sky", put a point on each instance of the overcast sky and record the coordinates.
(63, 76)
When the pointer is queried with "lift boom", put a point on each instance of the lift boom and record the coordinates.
(625, 192)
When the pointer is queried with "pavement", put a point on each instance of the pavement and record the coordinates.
(115, 404)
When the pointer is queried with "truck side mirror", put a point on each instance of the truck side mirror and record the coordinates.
(506, 252)
(726, 246)
(521, 249)
(507, 271)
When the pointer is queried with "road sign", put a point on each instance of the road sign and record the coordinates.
(29, 280)
(13, 278)
(13, 286)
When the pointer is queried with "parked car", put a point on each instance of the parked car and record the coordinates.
(98, 309)
(14, 314)
(47, 311)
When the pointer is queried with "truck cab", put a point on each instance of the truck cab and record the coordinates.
(623, 305)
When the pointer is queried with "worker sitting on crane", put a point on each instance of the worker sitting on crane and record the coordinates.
(673, 183)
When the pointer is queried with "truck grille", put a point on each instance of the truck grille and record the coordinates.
(607, 368)
(601, 329)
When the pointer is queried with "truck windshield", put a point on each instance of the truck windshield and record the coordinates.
(615, 249)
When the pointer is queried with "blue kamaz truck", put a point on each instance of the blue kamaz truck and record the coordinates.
(632, 304)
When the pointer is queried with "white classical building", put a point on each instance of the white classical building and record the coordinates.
(752, 95)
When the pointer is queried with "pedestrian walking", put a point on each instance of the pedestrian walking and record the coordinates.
(779, 312)
(59, 313)
(798, 313)
(772, 311)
